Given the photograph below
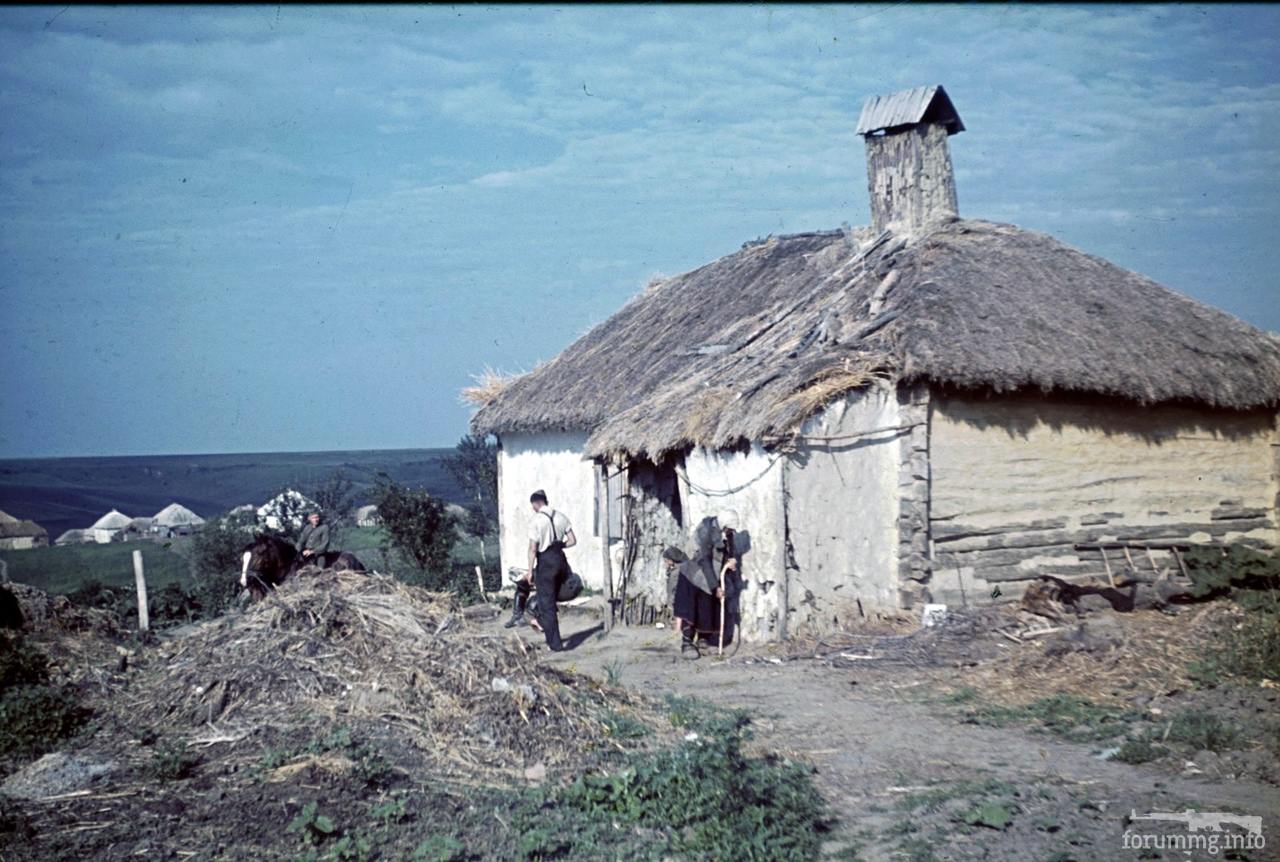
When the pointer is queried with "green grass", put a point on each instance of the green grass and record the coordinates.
(66, 568)
(1075, 719)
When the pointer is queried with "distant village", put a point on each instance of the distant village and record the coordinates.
(173, 521)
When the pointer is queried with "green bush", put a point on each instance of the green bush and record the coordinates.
(422, 529)
(33, 718)
(21, 663)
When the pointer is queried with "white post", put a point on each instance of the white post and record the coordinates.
(144, 620)
(480, 580)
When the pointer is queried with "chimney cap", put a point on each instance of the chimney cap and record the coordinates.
(909, 108)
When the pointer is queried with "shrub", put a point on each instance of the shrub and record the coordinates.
(33, 718)
(420, 527)
(215, 559)
(21, 663)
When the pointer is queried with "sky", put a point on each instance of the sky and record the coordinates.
(246, 229)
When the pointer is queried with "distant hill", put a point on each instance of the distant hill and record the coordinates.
(65, 493)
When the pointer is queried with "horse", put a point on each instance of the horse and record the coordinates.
(269, 561)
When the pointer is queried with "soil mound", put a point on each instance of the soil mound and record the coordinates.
(353, 646)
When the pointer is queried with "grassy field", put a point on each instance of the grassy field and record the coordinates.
(64, 569)
(67, 568)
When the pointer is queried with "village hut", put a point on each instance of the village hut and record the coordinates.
(287, 507)
(139, 529)
(926, 409)
(74, 537)
(175, 520)
(110, 527)
(19, 534)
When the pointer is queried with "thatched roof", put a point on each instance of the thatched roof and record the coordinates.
(748, 346)
(177, 515)
(13, 528)
(113, 520)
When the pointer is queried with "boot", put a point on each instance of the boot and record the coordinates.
(688, 649)
(517, 615)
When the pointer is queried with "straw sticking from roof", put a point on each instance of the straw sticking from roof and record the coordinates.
(743, 348)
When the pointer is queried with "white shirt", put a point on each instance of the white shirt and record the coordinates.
(540, 527)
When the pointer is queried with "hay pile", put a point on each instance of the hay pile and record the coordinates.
(358, 647)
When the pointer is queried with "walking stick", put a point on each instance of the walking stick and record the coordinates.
(720, 652)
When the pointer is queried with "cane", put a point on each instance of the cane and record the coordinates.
(720, 653)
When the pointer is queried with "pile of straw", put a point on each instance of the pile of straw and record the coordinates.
(355, 646)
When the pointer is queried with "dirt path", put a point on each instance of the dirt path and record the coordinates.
(880, 745)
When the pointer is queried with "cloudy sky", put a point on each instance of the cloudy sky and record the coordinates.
(285, 228)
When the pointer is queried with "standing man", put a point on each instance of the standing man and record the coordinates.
(313, 542)
(549, 535)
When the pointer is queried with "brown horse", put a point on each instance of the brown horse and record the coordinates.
(269, 561)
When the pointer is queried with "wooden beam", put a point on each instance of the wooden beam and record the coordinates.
(602, 485)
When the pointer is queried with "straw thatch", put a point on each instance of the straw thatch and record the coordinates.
(745, 347)
(177, 515)
(15, 528)
(113, 520)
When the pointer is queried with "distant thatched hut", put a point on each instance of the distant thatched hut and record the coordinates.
(110, 527)
(18, 533)
(175, 519)
(924, 409)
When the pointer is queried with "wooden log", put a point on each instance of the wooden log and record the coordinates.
(1106, 562)
(1182, 566)
(140, 578)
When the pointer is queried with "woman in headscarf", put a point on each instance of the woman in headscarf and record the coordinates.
(697, 600)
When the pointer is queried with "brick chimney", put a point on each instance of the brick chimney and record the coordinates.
(909, 173)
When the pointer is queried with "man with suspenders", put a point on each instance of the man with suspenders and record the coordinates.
(549, 535)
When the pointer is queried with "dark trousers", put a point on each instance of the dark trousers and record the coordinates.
(552, 569)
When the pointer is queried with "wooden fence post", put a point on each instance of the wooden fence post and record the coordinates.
(144, 619)
(602, 483)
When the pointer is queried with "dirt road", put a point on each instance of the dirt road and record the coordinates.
(906, 777)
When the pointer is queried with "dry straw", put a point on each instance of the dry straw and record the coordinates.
(369, 648)
(973, 304)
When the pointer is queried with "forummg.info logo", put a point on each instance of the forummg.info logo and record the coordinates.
(1210, 832)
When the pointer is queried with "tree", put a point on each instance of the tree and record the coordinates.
(474, 466)
(419, 526)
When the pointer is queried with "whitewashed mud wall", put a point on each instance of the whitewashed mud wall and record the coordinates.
(1016, 482)
(750, 483)
(842, 513)
(552, 462)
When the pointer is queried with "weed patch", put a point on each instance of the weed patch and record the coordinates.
(1072, 718)
(171, 761)
(1248, 649)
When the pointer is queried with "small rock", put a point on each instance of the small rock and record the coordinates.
(536, 773)
(500, 684)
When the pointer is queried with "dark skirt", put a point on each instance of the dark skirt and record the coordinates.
(701, 610)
